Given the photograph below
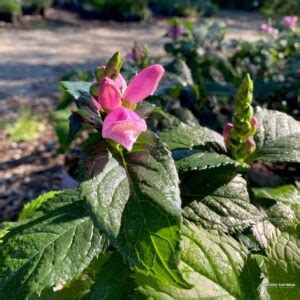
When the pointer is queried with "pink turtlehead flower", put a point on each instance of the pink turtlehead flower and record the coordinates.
(113, 93)
(123, 126)
(175, 31)
(268, 29)
(290, 22)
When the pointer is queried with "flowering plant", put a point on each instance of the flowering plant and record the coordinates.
(166, 215)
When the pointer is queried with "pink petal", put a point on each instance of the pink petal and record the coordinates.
(121, 83)
(123, 126)
(228, 127)
(109, 94)
(143, 84)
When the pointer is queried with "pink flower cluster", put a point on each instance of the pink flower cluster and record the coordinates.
(249, 146)
(268, 29)
(118, 100)
(290, 22)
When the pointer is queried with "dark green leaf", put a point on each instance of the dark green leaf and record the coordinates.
(137, 204)
(197, 160)
(182, 136)
(113, 280)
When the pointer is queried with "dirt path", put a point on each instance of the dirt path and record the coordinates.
(32, 60)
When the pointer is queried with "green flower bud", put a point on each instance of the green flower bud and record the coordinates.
(113, 66)
(99, 74)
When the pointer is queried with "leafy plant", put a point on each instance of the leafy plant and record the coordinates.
(26, 128)
(10, 6)
(169, 215)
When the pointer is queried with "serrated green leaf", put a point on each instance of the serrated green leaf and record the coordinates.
(197, 160)
(48, 202)
(182, 136)
(263, 232)
(286, 194)
(226, 207)
(277, 138)
(47, 250)
(113, 280)
(216, 264)
(29, 209)
(137, 204)
(282, 266)
(282, 217)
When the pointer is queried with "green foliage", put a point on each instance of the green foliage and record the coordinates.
(273, 8)
(26, 128)
(277, 138)
(126, 199)
(52, 248)
(175, 214)
(10, 6)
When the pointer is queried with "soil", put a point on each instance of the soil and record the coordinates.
(34, 55)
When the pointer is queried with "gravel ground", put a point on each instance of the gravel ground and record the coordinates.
(34, 56)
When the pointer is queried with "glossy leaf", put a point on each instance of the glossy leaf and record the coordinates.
(182, 136)
(47, 250)
(135, 200)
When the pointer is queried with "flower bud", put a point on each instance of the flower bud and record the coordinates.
(247, 148)
(226, 131)
(99, 74)
(113, 67)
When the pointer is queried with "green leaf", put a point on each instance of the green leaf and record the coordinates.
(48, 250)
(286, 194)
(48, 202)
(282, 266)
(182, 136)
(137, 204)
(226, 207)
(113, 280)
(216, 264)
(30, 208)
(282, 217)
(77, 89)
(197, 160)
(81, 93)
(277, 138)
(263, 232)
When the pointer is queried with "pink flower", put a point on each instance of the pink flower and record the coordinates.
(268, 29)
(228, 127)
(175, 31)
(264, 26)
(290, 22)
(123, 126)
(144, 84)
